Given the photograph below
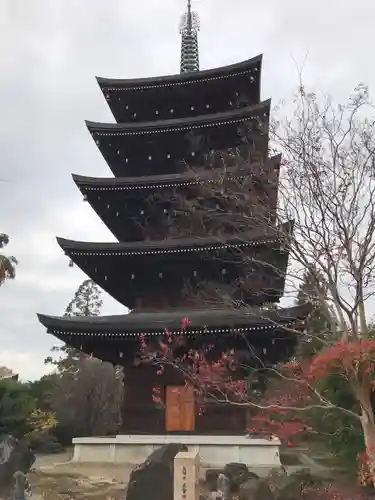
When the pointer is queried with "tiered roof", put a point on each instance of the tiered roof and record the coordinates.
(127, 270)
(167, 127)
(123, 203)
(93, 334)
(160, 146)
(183, 95)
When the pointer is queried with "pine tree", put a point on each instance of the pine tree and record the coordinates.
(86, 302)
(88, 392)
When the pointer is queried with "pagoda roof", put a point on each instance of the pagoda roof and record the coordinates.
(129, 270)
(189, 177)
(201, 321)
(187, 78)
(165, 146)
(185, 94)
(256, 237)
(123, 202)
(180, 124)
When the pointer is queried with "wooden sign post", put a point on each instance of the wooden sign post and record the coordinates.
(186, 476)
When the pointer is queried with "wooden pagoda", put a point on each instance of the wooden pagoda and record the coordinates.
(165, 266)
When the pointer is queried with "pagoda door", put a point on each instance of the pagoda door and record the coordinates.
(180, 409)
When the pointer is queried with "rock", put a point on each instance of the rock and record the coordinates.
(237, 474)
(278, 472)
(211, 478)
(235, 470)
(21, 487)
(256, 489)
(15, 456)
(290, 487)
(223, 486)
(154, 478)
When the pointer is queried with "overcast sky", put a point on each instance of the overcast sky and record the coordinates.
(50, 52)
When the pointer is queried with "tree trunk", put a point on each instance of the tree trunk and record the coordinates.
(368, 427)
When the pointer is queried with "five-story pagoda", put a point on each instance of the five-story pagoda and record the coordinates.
(192, 202)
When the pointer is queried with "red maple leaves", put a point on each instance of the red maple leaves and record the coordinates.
(281, 410)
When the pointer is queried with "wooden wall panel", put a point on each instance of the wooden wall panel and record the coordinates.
(180, 409)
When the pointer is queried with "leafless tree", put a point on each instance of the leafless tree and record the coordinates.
(328, 189)
(89, 400)
(326, 186)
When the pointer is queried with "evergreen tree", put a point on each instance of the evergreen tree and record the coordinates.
(86, 302)
(87, 394)
(19, 411)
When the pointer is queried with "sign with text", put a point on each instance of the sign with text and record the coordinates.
(186, 476)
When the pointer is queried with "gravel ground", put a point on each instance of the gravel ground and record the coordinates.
(54, 477)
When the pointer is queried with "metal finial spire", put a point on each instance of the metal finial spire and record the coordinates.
(189, 28)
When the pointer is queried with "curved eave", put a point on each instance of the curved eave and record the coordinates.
(176, 124)
(157, 181)
(228, 71)
(253, 238)
(202, 321)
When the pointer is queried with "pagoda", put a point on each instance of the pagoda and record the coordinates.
(183, 151)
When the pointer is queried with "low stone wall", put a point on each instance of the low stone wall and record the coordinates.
(214, 451)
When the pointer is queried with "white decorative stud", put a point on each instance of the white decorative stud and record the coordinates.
(132, 276)
(150, 157)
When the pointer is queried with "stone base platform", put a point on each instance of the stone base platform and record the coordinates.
(214, 451)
